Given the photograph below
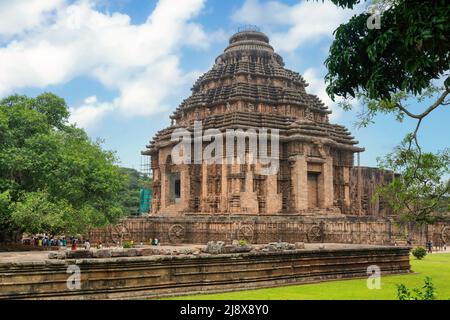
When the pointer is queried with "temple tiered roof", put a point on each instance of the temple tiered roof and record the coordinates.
(248, 87)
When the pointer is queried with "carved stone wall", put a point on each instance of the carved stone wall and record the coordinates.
(196, 228)
(364, 182)
(156, 276)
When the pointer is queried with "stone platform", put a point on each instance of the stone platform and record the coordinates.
(34, 276)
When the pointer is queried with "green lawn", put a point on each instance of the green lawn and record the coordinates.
(436, 266)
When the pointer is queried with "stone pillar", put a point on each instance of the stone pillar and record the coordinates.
(300, 183)
(346, 186)
(249, 199)
(273, 198)
(164, 184)
(203, 202)
(224, 187)
(185, 188)
(328, 189)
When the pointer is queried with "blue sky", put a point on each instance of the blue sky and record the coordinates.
(123, 66)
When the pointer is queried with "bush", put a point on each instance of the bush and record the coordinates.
(419, 253)
(428, 293)
(243, 242)
(127, 245)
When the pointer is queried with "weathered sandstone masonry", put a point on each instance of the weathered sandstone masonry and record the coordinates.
(154, 276)
(317, 194)
(248, 88)
(201, 228)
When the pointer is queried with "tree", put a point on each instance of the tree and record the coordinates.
(428, 291)
(131, 191)
(53, 178)
(420, 193)
(406, 59)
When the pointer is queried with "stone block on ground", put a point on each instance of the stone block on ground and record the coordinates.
(117, 253)
(57, 255)
(237, 248)
(145, 252)
(214, 247)
(130, 252)
(299, 245)
(102, 253)
(79, 254)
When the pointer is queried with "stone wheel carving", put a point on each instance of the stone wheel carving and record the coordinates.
(246, 233)
(176, 233)
(445, 234)
(314, 234)
(119, 233)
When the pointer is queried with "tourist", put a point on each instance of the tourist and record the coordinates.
(156, 241)
(87, 245)
(40, 242)
(409, 240)
(64, 242)
(430, 246)
(74, 244)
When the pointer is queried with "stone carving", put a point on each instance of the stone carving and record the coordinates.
(445, 234)
(315, 234)
(309, 115)
(246, 233)
(214, 247)
(176, 233)
(119, 233)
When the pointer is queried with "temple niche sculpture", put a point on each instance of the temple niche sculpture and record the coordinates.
(248, 87)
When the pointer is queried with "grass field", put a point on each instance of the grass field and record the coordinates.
(436, 266)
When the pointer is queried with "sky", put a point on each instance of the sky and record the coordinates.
(123, 66)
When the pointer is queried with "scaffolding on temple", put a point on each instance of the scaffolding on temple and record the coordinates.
(145, 194)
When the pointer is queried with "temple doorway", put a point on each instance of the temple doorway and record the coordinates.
(175, 187)
(313, 190)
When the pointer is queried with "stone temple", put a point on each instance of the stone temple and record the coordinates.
(248, 87)
(317, 194)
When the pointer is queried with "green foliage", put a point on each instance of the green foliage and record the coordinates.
(428, 291)
(419, 253)
(421, 192)
(243, 242)
(53, 178)
(411, 49)
(127, 245)
(130, 192)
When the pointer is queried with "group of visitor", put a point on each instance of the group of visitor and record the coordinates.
(440, 246)
(48, 242)
(154, 241)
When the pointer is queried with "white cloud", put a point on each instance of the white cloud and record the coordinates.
(141, 62)
(317, 86)
(17, 16)
(306, 22)
(89, 113)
